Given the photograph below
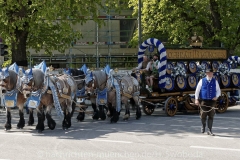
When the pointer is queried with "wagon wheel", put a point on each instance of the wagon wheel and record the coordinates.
(147, 109)
(171, 106)
(222, 103)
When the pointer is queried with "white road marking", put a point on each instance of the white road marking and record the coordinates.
(102, 140)
(17, 134)
(122, 122)
(157, 124)
(196, 126)
(223, 137)
(215, 148)
(101, 130)
(175, 125)
(138, 123)
(220, 128)
(197, 136)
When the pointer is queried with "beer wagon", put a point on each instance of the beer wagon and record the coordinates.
(179, 72)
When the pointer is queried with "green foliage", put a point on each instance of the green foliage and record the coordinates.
(218, 21)
(45, 24)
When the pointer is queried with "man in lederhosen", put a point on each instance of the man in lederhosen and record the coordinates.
(206, 95)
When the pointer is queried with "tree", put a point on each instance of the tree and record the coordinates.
(44, 24)
(218, 21)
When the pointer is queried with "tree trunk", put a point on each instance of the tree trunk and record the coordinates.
(19, 53)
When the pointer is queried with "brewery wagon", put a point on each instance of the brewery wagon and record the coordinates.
(179, 73)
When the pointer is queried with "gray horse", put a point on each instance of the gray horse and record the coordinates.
(96, 89)
(10, 85)
(130, 91)
(36, 89)
(113, 92)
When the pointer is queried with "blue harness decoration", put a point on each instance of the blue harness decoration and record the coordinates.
(101, 97)
(80, 93)
(55, 99)
(118, 95)
(34, 100)
(10, 98)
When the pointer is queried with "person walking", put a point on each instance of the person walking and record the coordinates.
(206, 95)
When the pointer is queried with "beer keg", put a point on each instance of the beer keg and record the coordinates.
(192, 81)
(205, 65)
(236, 79)
(169, 68)
(180, 82)
(215, 65)
(169, 83)
(225, 81)
(192, 67)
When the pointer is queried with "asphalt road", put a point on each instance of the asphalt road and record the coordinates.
(152, 137)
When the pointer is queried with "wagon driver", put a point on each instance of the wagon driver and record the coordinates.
(206, 95)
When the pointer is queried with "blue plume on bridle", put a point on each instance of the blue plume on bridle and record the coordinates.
(42, 66)
(14, 67)
(28, 75)
(107, 69)
(88, 78)
(84, 69)
(68, 72)
(4, 73)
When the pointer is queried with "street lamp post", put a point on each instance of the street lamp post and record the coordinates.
(139, 23)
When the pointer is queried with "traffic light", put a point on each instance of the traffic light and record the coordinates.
(3, 48)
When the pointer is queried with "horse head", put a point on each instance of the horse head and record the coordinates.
(32, 80)
(8, 80)
(79, 78)
(95, 80)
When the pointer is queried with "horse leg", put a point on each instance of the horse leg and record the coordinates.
(41, 118)
(73, 106)
(81, 115)
(110, 110)
(50, 122)
(115, 116)
(8, 125)
(67, 116)
(127, 108)
(102, 114)
(21, 122)
(31, 118)
(95, 111)
(138, 109)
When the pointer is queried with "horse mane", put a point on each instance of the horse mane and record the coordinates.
(13, 78)
(101, 77)
(76, 72)
(38, 77)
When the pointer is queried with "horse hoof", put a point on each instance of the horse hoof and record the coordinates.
(39, 131)
(19, 127)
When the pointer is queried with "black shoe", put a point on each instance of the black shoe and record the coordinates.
(210, 133)
(202, 130)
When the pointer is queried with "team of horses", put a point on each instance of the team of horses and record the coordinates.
(39, 90)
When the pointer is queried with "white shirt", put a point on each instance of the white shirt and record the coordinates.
(140, 66)
(199, 86)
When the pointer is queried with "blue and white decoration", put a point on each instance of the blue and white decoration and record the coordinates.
(55, 99)
(88, 78)
(107, 70)
(34, 100)
(101, 97)
(14, 67)
(84, 69)
(233, 59)
(10, 98)
(4, 73)
(27, 76)
(42, 66)
(163, 58)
